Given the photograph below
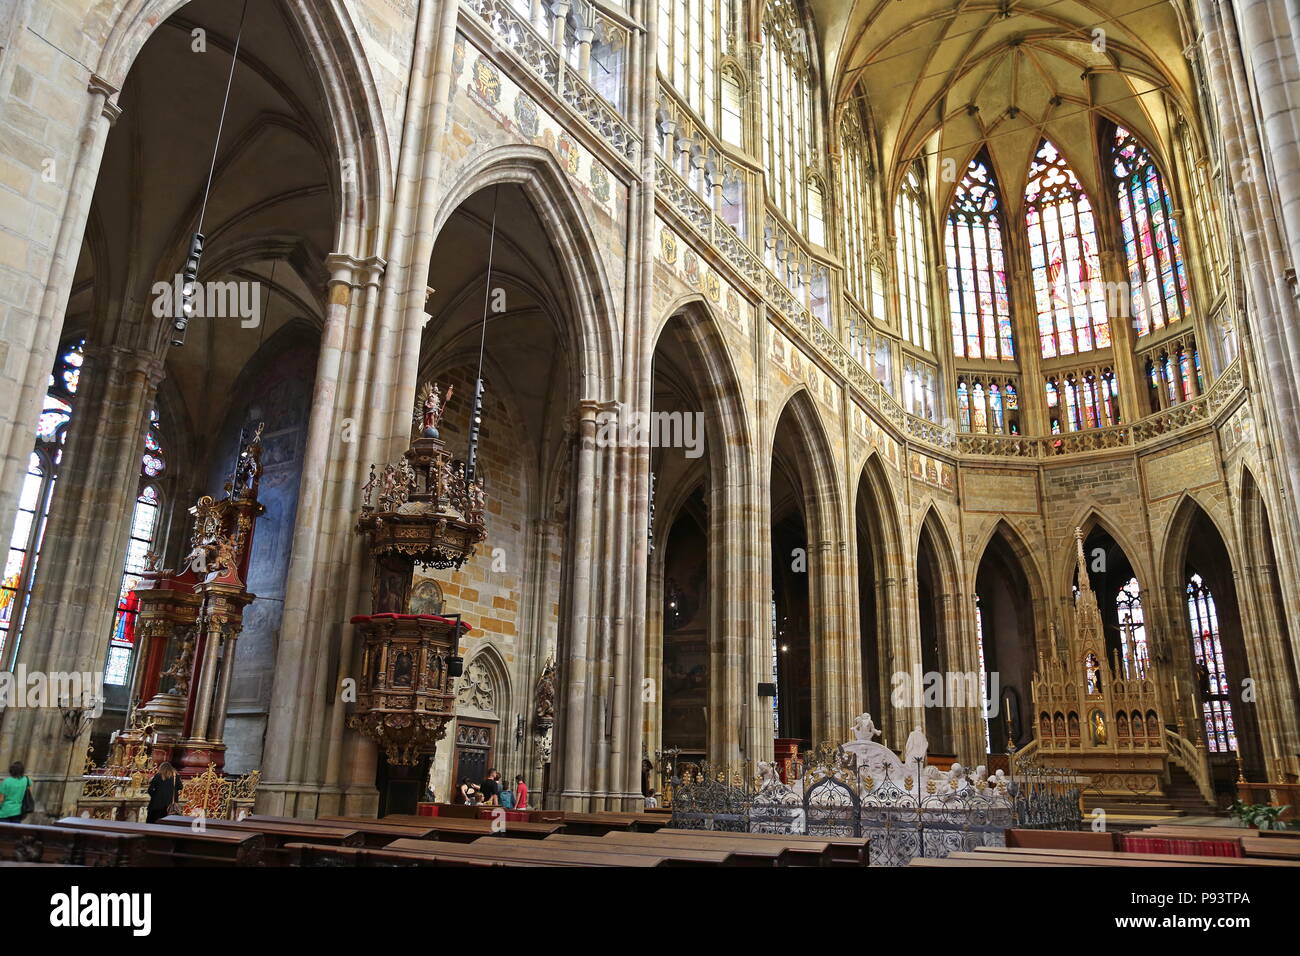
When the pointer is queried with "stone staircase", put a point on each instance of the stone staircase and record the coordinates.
(1181, 799)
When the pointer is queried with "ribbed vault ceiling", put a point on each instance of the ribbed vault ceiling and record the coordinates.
(942, 76)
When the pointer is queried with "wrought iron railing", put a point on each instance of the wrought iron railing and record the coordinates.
(926, 814)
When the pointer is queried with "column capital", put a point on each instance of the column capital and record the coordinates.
(351, 270)
(129, 360)
(101, 87)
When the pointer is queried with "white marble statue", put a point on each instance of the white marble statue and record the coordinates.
(875, 760)
(864, 728)
(916, 748)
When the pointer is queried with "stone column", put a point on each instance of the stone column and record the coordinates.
(324, 586)
(1253, 146)
(33, 322)
(76, 590)
(576, 667)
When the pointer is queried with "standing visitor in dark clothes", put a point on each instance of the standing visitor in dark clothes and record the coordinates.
(164, 793)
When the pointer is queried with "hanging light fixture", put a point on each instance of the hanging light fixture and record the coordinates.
(190, 272)
(476, 413)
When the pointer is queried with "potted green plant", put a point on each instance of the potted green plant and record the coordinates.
(1261, 816)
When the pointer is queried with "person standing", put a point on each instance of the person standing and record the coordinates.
(164, 793)
(17, 792)
(521, 793)
(490, 788)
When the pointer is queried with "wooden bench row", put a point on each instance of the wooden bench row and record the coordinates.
(406, 841)
(1165, 845)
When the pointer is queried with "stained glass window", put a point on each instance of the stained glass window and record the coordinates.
(983, 406)
(1132, 630)
(913, 262)
(1211, 673)
(1068, 288)
(145, 521)
(34, 497)
(789, 121)
(1087, 399)
(1152, 248)
(977, 273)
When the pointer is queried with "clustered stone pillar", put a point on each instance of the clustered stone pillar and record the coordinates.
(82, 555)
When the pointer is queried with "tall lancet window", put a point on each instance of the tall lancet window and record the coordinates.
(690, 41)
(789, 123)
(145, 521)
(977, 273)
(34, 497)
(1068, 288)
(1156, 275)
(913, 262)
(1132, 629)
(1211, 672)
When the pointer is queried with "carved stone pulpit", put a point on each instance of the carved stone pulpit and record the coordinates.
(420, 511)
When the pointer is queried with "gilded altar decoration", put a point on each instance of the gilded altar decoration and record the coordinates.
(1093, 718)
(188, 626)
(421, 510)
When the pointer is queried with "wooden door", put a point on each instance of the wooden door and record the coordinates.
(474, 743)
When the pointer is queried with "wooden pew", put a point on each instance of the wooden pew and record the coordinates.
(1120, 857)
(182, 845)
(1261, 846)
(1043, 858)
(527, 851)
(464, 831)
(845, 851)
(723, 855)
(774, 852)
(279, 834)
(595, 824)
(948, 861)
(315, 855)
(641, 821)
(30, 843)
(374, 833)
(1220, 841)
(1062, 839)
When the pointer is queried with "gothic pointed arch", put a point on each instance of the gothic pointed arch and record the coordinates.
(590, 327)
(1009, 608)
(361, 170)
(484, 692)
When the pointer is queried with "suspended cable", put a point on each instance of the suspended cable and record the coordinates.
(191, 271)
(476, 416)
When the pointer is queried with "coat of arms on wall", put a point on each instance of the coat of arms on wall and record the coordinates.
(487, 81)
(458, 57)
(526, 115)
(712, 287)
(569, 155)
(599, 182)
(692, 264)
(668, 246)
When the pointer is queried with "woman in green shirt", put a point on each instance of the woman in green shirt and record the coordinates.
(14, 788)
